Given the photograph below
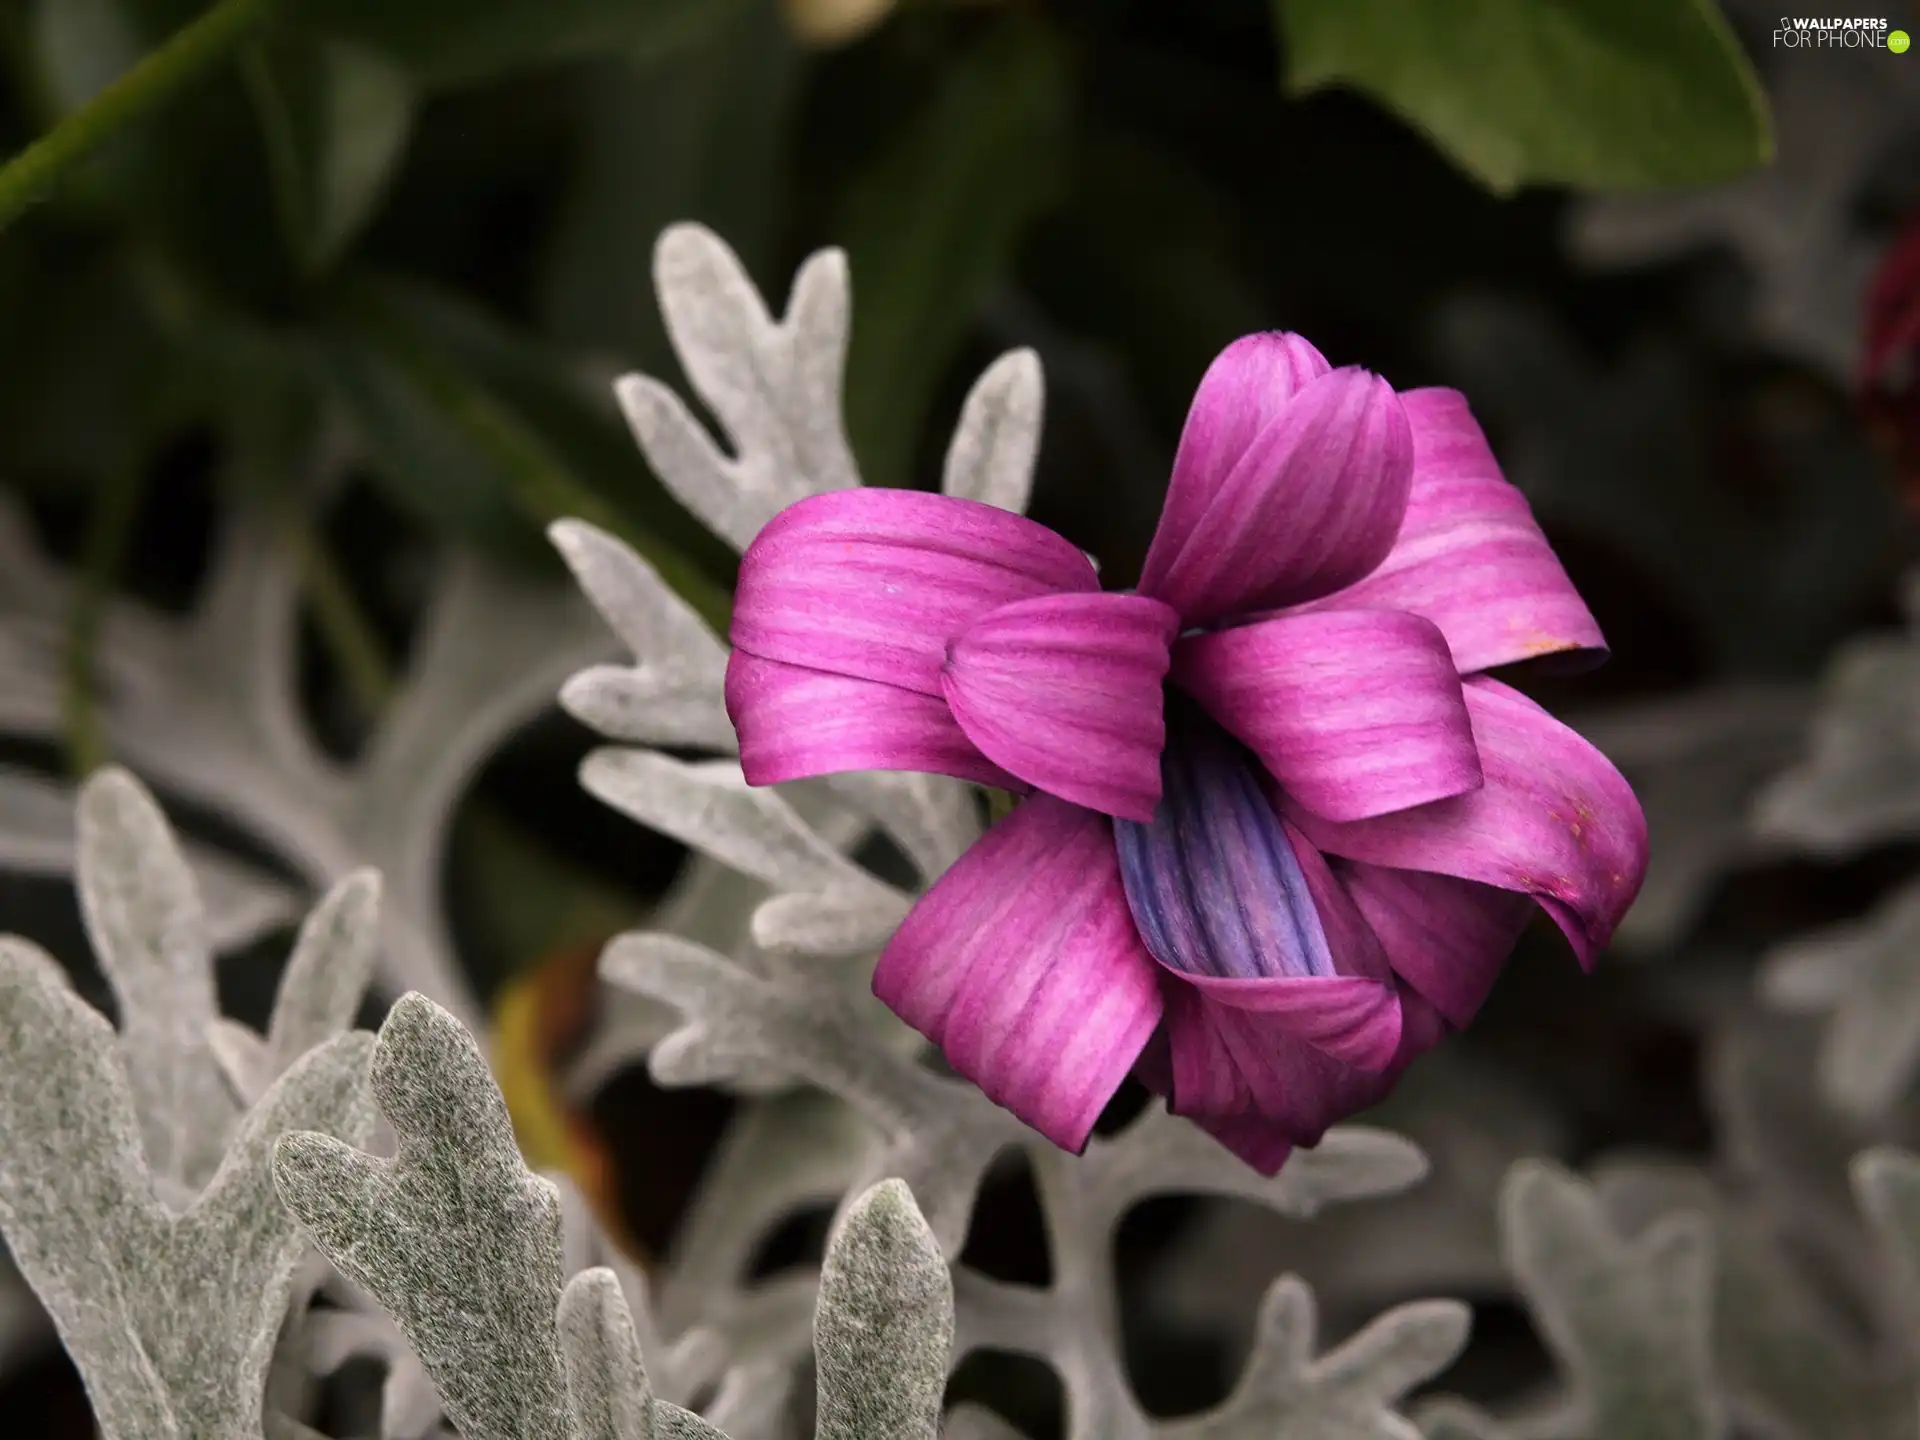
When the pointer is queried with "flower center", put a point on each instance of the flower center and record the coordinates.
(1213, 881)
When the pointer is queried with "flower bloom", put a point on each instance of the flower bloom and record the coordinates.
(1280, 831)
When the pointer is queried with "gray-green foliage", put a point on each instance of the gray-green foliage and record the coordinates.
(207, 706)
(136, 1197)
(1856, 786)
(1628, 1319)
(463, 1245)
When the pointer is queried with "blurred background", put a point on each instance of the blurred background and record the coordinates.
(298, 361)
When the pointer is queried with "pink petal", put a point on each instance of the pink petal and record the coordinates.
(1064, 691)
(1470, 556)
(875, 584)
(795, 723)
(1021, 963)
(1355, 712)
(1353, 1019)
(1245, 389)
(1229, 1065)
(1554, 820)
(1312, 504)
(1449, 939)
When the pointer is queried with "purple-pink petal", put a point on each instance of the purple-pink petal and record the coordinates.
(1447, 938)
(876, 584)
(1355, 712)
(1064, 691)
(1311, 505)
(1022, 965)
(1470, 556)
(1244, 390)
(1553, 820)
(795, 723)
(1230, 1065)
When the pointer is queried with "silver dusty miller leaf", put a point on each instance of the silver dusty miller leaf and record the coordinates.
(1857, 785)
(1629, 1320)
(207, 708)
(135, 1197)
(37, 838)
(464, 1246)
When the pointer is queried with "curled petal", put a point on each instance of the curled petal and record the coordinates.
(1261, 1091)
(1022, 965)
(1355, 712)
(795, 723)
(1553, 820)
(1449, 939)
(1065, 692)
(1312, 504)
(876, 584)
(1245, 388)
(1470, 556)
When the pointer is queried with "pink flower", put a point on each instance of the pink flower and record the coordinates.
(1281, 831)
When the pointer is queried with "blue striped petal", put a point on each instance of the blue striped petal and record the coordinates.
(1212, 880)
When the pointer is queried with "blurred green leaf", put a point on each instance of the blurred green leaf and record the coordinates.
(335, 119)
(700, 136)
(1602, 94)
(484, 432)
(454, 42)
(935, 221)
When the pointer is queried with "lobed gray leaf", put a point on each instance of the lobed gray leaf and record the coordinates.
(169, 1313)
(37, 838)
(1785, 1355)
(774, 386)
(606, 1378)
(143, 916)
(453, 1236)
(1348, 1394)
(883, 1329)
(990, 457)
(1887, 1182)
(1629, 1320)
(1859, 783)
(674, 692)
(1863, 973)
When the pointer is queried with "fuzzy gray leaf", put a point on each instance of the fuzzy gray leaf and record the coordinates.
(1887, 1182)
(1629, 1320)
(37, 838)
(1863, 973)
(1450, 1419)
(606, 1378)
(170, 1316)
(1783, 1352)
(775, 387)
(673, 693)
(991, 455)
(1349, 1393)
(1860, 781)
(326, 977)
(143, 916)
(883, 1331)
(454, 1237)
